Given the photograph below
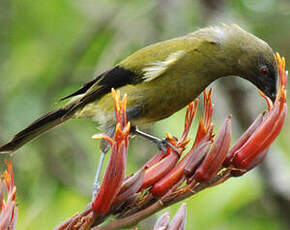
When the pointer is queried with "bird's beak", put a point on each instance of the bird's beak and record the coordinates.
(271, 92)
(272, 96)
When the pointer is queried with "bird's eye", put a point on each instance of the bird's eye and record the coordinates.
(264, 70)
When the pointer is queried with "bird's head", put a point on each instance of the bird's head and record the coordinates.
(255, 61)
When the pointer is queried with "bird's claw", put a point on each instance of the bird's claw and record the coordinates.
(164, 143)
(161, 143)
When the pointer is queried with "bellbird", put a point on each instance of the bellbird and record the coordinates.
(162, 78)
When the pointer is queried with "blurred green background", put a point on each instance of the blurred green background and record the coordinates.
(50, 48)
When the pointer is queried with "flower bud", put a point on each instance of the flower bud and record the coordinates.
(213, 162)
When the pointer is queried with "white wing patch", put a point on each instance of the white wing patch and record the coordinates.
(156, 69)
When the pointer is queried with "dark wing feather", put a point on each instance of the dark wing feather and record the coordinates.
(82, 90)
(103, 83)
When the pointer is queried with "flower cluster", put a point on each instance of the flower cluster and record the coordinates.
(171, 176)
(8, 208)
(201, 162)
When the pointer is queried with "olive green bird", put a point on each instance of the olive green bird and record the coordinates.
(162, 78)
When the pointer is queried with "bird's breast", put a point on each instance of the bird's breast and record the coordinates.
(160, 98)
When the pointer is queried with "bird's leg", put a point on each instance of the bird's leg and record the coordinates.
(96, 184)
(161, 143)
(104, 146)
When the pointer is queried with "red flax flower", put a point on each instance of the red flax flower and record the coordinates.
(115, 170)
(8, 208)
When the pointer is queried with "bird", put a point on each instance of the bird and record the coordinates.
(162, 78)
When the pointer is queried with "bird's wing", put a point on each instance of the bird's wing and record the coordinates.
(114, 78)
(120, 76)
(156, 69)
(103, 83)
(144, 65)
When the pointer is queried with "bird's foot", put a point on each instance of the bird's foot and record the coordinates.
(161, 143)
(164, 143)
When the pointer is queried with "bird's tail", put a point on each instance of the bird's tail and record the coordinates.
(37, 128)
